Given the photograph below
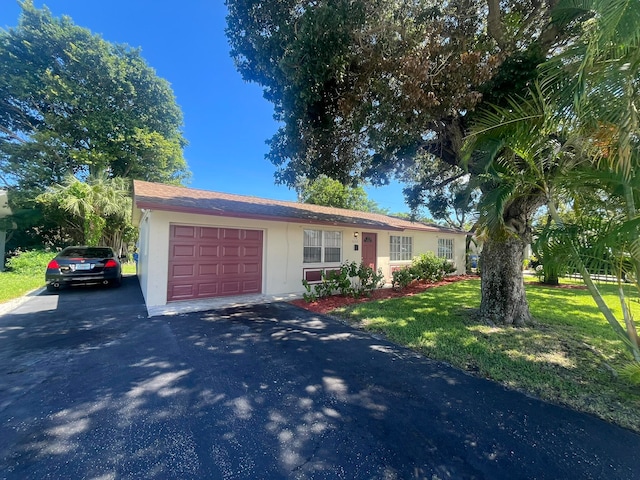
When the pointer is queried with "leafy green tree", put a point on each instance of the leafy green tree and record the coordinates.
(95, 212)
(72, 103)
(331, 193)
(416, 217)
(371, 89)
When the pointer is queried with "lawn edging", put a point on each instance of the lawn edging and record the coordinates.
(12, 304)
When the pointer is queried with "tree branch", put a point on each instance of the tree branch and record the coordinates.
(494, 23)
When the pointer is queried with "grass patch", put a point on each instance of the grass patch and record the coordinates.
(569, 358)
(26, 273)
(15, 285)
(129, 268)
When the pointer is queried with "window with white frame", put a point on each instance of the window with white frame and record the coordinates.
(401, 248)
(445, 248)
(322, 246)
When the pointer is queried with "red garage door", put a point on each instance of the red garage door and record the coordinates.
(213, 262)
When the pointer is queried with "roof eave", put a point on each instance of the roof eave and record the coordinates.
(145, 204)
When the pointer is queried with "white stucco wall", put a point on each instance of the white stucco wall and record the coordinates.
(422, 242)
(144, 247)
(282, 253)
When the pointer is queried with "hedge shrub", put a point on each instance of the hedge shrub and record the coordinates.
(32, 262)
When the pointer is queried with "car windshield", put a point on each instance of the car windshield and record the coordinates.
(87, 252)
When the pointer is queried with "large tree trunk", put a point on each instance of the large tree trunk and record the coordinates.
(504, 301)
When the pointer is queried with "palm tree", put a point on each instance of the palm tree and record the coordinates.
(525, 153)
(583, 126)
(98, 210)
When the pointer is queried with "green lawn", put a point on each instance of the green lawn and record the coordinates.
(129, 268)
(14, 285)
(569, 357)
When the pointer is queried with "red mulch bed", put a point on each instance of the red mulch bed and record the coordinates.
(325, 305)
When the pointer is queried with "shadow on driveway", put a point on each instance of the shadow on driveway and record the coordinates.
(94, 389)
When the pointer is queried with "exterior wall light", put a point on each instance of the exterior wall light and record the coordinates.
(355, 234)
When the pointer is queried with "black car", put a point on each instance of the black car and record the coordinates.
(75, 265)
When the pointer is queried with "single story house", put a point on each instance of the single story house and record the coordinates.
(197, 244)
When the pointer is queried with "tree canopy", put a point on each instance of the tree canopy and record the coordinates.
(366, 88)
(73, 103)
(79, 116)
(331, 193)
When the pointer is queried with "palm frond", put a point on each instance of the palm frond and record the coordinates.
(492, 207)
(631, 373)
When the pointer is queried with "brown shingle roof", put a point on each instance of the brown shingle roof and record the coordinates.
(156, 196)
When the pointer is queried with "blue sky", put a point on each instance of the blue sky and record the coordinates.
(226, 120)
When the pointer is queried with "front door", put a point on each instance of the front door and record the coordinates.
(369, 249)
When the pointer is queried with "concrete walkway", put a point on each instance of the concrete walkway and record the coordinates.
(190, 306)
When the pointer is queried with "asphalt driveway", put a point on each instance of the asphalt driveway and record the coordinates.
(92, 388)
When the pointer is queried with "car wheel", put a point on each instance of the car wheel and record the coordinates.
(117, 282)
(51, 288)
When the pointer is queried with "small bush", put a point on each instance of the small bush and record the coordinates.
(309, 295)
(429, 268)
(366, 280)
(32, 262)
(401, 278)
(350, 280)
(336, 280)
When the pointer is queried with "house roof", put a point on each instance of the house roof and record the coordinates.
(156, 196)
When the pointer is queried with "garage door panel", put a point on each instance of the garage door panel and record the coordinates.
(255, 235)
(184, 251)
(209, 251)
(209, 269)
(230, 269)
(181, 270)
(251, 268)
(181, 231)
(231, 288)
(181, 291)
(231, 234)
(250, 251)
(208, 290)
(209, 262)
(251, 286)
(230, 251)
(209, 233)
